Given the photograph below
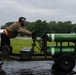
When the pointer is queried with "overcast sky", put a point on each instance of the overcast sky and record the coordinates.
(49, 10)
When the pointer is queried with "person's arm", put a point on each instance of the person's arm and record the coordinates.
(24, 31)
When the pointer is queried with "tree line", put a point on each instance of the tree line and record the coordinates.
(48, 27)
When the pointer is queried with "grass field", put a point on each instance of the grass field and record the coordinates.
(20, 44)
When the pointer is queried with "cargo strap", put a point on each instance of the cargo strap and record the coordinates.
(6, 32)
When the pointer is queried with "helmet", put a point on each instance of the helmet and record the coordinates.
(22, 19)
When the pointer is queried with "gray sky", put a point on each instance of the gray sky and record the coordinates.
(49, 10)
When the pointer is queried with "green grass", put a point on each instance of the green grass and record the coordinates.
(20, 44)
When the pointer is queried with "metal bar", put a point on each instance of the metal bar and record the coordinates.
(32, 50)
(37, 59)
(75, 49)
(56, 43)
(68, 43)
(60, 47)
(45, 45)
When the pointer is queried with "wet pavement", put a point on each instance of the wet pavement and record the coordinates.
(30, 68)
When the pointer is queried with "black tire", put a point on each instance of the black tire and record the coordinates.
(66, 62)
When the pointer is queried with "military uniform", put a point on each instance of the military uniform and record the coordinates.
(11, 32)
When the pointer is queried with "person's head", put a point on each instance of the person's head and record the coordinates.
(22, 21)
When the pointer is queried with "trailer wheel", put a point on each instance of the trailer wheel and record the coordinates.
(66, 62)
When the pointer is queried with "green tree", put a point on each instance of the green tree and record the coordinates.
(45, 27)
(6, 25)
(73, 30)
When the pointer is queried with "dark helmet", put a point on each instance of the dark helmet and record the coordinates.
(22, 19)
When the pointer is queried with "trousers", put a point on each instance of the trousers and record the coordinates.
(5, 40)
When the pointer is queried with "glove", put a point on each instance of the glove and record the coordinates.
(33, 35)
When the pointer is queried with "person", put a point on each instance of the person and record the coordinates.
(13, 30)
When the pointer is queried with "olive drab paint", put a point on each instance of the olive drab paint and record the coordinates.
(61, 37)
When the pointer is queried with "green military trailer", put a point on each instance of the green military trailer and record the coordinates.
(62, 55)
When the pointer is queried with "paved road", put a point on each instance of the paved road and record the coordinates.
(29, 68)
